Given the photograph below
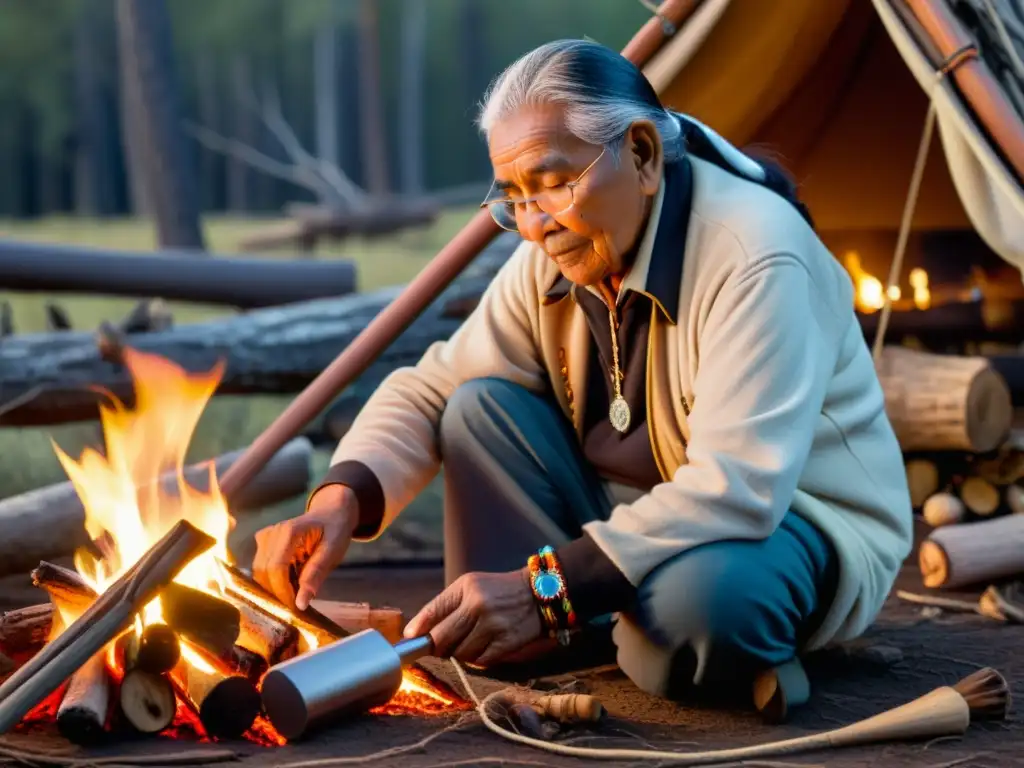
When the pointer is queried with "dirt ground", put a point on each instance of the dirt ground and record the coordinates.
(937, 650)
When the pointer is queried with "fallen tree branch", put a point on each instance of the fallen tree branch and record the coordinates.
(276, 350)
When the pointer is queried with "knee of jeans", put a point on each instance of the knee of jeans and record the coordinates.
(471, 405)
(710, 595)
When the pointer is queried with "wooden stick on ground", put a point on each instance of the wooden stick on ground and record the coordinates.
(104, 620)
(82, 716)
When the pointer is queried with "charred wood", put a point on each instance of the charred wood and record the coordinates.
(235, 281)
(108, 616)
(83, 713)
(227, 703)
(50, 522)
(202, 618)
(23, 631)
(68, 591)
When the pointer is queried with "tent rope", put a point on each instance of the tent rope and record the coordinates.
(950, 65)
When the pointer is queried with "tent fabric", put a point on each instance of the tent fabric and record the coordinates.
(838, 92)
(992, 197)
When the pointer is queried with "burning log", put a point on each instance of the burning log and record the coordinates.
(50, 522)
(147, 701)
(227, 703)
(82, 716)
(155, 650)
(110, 615)
(310, 622)
(53, 377)
(940, 402)
(66, 588)
(171, 275)
(973, 553)
(200, 617)
(265, 635)
(23, 631)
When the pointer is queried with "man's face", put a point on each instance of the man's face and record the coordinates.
(533, 154)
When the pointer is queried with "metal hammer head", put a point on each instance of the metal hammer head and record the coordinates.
(341, 679)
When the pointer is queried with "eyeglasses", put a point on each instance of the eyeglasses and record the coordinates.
(554, 201)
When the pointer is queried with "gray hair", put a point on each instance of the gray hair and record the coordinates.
(602, 92)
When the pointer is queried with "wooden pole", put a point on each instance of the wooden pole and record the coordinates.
(417, 296)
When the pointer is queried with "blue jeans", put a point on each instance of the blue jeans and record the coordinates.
(516, 479)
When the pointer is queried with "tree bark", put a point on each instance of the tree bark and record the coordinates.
(325, 86)
(373, 128)
(169, 167)
(411, 95)
(270, 351)
(239, 174)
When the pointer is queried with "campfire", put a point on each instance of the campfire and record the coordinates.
(155, 630)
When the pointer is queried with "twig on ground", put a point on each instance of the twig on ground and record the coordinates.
(934, 601)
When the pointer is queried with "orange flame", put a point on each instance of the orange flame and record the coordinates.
(138, 491)
(127, 505)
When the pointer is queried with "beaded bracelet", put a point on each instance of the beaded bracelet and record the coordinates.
(549, 590)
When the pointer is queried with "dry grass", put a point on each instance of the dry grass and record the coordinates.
(27, 455)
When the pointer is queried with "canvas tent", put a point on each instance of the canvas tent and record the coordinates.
(839, 90)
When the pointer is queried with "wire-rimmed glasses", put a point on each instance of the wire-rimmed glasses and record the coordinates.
(554, 201)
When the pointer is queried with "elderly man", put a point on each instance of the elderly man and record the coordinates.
(662, 413)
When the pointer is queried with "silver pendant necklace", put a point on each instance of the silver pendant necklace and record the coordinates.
(618, 411)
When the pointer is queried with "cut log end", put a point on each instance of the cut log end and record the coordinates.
(230, 708)
(147, 701)
(942, 509)
(979, 496)
(933, 563)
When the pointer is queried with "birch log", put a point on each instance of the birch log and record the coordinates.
(973, 553)
(944, 402)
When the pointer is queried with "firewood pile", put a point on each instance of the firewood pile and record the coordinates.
(101, 666)
(954, 419)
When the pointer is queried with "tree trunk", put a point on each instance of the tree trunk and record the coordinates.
(87, 107)
(211, 164)
(325, 88)
(169, 168)
(132, 126)
(239, 175)
(411, 95)
(373, 129)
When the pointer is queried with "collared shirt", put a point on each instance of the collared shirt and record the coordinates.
(652, 282)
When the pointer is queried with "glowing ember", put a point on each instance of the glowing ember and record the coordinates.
(137, 491)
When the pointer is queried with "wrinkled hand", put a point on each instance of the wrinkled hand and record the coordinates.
(314, 542)
(480, 618)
